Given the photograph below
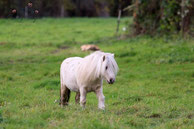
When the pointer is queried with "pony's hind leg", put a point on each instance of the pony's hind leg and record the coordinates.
(77, 97)
(65, 95)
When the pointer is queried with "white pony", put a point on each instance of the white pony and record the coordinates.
(83, 75)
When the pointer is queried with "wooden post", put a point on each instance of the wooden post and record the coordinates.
(26, 12)
(182, 16)
(118, 21)
(62, 11)
(135, 18)
(62, 8)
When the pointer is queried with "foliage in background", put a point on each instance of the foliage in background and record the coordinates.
(151, 16)
(64, 8)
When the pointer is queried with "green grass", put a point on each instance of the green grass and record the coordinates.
(154, 86)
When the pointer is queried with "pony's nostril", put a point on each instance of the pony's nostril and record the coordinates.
(111, 80)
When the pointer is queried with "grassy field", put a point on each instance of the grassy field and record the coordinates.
(154, 86)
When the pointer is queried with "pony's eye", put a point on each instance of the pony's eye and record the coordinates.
(106, 67)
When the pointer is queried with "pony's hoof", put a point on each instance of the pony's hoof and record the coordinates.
(102, 108)
(83, 108)
(64, 105)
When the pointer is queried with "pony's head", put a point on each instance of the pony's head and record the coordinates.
(109, 68)
(99, 65)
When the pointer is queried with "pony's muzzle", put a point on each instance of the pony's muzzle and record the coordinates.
(111, 81)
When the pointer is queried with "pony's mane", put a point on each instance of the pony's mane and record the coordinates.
(91, 66)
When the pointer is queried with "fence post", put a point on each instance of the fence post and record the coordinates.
(26, 12)
(118, 20)
(62, 11)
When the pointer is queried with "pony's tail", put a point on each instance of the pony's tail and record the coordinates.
(64, 92)
(64, 95)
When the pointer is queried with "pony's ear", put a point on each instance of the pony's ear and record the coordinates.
(103, 58)
(113, 55)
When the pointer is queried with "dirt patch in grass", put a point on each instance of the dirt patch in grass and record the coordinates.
(155, 115)
(64, 47)
(190, 116)
(60, 48)
(2, 43)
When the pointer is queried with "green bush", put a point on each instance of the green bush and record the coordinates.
(163, 16)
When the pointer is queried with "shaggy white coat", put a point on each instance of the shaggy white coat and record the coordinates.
(86, 74)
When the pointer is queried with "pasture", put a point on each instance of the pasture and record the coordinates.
(154, 87)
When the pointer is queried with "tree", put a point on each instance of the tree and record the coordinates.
(151, 16)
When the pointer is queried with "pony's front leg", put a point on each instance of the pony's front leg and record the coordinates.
(101, 98)
(83, 97)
